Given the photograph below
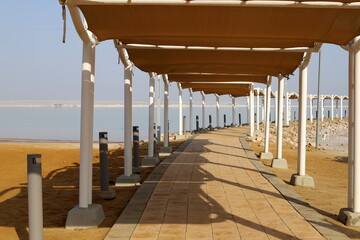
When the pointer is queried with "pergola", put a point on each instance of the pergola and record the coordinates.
(180, 37)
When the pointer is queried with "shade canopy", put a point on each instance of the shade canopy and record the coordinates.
(219, 86)
(236, 90)
(259, 91)
(232, 92)
(293, 95)
(184, 78)
(220, 23)
(227, 62)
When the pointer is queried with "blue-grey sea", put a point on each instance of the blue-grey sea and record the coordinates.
(63, 123)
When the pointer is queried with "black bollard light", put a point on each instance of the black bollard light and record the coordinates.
(224, 120)
(328, 113)
(210, 121)
(239, 119)
(104, 161)
(197, 123)
(345, 113)
(136, 147)
(155, 141)
(105, 193)
(184, 125)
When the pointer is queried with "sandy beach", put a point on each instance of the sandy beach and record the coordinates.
(60, 170)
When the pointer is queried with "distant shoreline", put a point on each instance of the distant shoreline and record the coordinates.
(102, 106)
(24, 140)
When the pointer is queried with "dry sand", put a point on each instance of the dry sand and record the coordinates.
(329, 170)
(60, 162)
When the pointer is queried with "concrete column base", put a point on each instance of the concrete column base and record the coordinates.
(83, 218)
(177, 136)
(150, 162)
(107, 195)
(165, 151)
(349, 218)
(266, 155)
(279, 163)
(128, 181)
(302, 181)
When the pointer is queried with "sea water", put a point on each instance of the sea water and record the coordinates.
(63, 123)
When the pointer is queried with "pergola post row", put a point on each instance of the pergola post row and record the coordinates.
(247, 48)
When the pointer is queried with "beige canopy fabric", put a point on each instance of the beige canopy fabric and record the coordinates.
(183, 78)
(220, 89)
(219, 86)
(293, 95)
(234, 93)
(169, 61)
(261, 92)
(221, 26)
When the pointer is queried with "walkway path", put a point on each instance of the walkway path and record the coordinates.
(212, 191)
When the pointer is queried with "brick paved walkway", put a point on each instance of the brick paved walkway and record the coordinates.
(213, 191)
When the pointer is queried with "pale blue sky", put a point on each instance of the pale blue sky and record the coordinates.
(36, 65)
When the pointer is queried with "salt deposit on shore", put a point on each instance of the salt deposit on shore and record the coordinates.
(333, 134)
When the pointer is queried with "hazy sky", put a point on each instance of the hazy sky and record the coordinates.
(36, 65)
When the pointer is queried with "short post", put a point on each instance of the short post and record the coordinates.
(239, 119)
(136, 152)
(224, 120)
(105, 192)
(155, 141)
(197, 123)
(184, 125)
(35, 205)
(210, 121)
(294, 115)
(104, 161)
(316, 114)
(158, 134)
(328, 113)
(345, 113)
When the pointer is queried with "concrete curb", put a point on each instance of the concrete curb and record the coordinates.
(125, 225)
(323, 226)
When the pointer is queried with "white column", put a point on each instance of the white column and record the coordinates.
(251, 100)
(233, 111)
(341, 107)
(286, 117)
(257, 108)
(276, 109)
(267, 116)
(217, 111)
(190, 109)
(264, 107)
(180, 110)
(158, 103)
(203, 110)
(322, 107)
(351, 128)
(302, 121)
(311, 108)
(86, 124)
(166, 111)
(280, 119)
(151, 115)
(289, 117)
(332, 107)
(356, 156)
